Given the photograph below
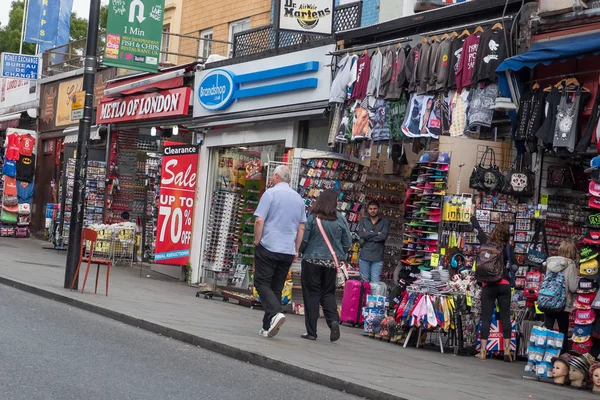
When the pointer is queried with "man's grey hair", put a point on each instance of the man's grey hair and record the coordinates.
(283, 173)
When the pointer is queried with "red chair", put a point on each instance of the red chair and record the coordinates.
(91, 236)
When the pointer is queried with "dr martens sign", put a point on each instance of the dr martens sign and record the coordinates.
(312, 16)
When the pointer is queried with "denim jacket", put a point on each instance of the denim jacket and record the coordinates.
(313, 246)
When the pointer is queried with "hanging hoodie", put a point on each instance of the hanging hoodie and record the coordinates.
(491, 51)
(443, 65)
(412, 61)
(569, 270)
(399, 75)
(375, 74)
(363, 70)
(423, 68)
(434, 56)
(387, 66)
(455, 52)
(464, 73)
(343, 80)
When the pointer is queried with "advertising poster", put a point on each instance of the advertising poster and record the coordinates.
(176, 203)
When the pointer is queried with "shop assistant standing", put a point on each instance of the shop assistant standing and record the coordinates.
(373, 232)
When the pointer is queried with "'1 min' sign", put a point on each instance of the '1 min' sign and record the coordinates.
(20, 66)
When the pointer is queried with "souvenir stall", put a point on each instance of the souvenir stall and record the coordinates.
(18, 170)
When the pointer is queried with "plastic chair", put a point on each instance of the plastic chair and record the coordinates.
(91, 236)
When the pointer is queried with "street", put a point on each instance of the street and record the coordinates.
(52, 351)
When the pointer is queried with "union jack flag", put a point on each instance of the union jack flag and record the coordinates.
(495, 343)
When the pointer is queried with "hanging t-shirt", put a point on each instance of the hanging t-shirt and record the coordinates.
(490, 53)
(26, 144)
(25, 192)
(480, 112)
(428, 105)
(9, 168)
(459, 113)
(361, 127)
(363, 70)
(411, 126)
(26, 168)
(375, 74)
(455, 52)
(381, 121)
(12, 147)
(10, 186)
(397, 115)
(565, 132)
(464, 73)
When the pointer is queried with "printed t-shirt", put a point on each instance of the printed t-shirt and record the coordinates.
(26, 168)
(26, 144)
(10, 186)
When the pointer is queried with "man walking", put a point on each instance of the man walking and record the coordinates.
(373, 232)
(278, 232)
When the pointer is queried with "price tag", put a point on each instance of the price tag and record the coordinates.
(544, 200)
(537, 310)
(537, 213)
(443, 251)
(469, 302)
(435, 260)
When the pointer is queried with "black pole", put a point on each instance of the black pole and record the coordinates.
(85, 124)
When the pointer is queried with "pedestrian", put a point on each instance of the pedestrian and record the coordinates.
(326, 241)
(278, 232)
(498, 291)
(565, 263)
(373, 232)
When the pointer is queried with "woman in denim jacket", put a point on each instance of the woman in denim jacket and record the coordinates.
(318, 265)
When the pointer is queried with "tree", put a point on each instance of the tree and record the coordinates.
(10, 34)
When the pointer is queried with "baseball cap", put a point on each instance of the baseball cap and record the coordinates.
(584, 347)
(589, 268)
(434, 218)
(425, 158)
(587, 286)
(585, 317)
(594, 165)
(587, 254)
(443, 158)
(434, 211)
(594, 202)
(592, 237)
(581, 333)
(593, 221)
(584, 301)
(413, 261)
(594, 188)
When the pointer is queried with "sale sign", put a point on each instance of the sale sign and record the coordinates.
(176, 203)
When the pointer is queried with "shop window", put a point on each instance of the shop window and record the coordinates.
(165, 43)
(206, 45)
(237, 27)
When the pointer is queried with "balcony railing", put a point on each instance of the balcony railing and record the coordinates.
(261, 39)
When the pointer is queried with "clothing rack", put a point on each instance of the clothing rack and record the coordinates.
(369, 46)
(459, 27)
(563, 76)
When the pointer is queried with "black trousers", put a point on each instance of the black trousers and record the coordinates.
(270, 271)
(562, 317)
(489, 294)
(318, 288)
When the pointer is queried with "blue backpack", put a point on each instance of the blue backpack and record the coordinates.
(552, 296)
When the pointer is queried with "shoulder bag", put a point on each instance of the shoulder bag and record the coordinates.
(535, 256)
(518, 181)
(487, 179)
(341, 273)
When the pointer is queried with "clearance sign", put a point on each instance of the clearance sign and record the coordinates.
(166, 103)
(176, 203)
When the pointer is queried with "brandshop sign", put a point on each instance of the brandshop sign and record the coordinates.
(166, 103)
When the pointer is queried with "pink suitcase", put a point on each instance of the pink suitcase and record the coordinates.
(355, 298)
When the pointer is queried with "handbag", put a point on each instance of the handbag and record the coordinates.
(560, 176)
(487, 179)
(535, 257)
(341, 274)
(518, 182)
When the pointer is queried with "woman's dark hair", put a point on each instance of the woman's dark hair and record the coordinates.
(326, 205)
(500, 234)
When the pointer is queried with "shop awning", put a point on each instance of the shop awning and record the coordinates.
(72, 132)
(9, 121)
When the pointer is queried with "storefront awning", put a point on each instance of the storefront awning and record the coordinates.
(72, 132)
(9, 121)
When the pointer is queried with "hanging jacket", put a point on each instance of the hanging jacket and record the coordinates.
(423, 68)
(491, 51)
(443, 65)
(412, 61)
(432, 65)
(343, 79)
(585, 141)
(455, 53)
(464, 74)
(375, 74)
(387, 67)
(363, 70)
(399, 76)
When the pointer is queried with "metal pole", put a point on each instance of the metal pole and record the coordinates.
(276, 23)
(77, 208)
(25, 9)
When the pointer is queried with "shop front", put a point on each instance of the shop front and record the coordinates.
(152, 155)
(56, 148)
(251, 114)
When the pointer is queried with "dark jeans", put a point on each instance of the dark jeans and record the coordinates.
(489, 294)
(270, 271)
(563, 324)
(318, 288)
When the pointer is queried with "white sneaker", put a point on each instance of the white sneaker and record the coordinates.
(276, 322)
(263, 333)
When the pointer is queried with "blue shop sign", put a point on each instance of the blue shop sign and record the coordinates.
(219, 88)
(20, 66)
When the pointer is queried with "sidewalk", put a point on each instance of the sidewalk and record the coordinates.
(359, 365)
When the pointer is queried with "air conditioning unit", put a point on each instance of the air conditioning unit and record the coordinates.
(548, 8)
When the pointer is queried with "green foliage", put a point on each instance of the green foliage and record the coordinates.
(10, 34)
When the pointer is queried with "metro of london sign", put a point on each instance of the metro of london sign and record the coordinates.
(166, 103)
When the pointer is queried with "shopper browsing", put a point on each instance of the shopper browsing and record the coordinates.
(495, 260)
(373, 232)
(278, 232)
(326, 240)
(562, 268)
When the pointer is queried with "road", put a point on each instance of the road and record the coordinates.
(49, 350)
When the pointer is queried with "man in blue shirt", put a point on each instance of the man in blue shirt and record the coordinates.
(278, 232)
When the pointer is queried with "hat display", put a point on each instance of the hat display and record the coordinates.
(594, 188)
(593, 221)
(583, 301)
(589, 268)
(595, 175)
(444, 158)
(426, 158)
(594, 165)
(587, 286)
(585, 317)
(594, 202)
(581, 333)
(584, 347)
(587, 254)
(592, 237)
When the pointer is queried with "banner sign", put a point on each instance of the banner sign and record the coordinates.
(176, 203)
(42, 21)
(166, 103)
(63, 34)
(20, 66)
(134, 34)
(312, 16)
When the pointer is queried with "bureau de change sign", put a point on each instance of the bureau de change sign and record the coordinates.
(20, 66)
